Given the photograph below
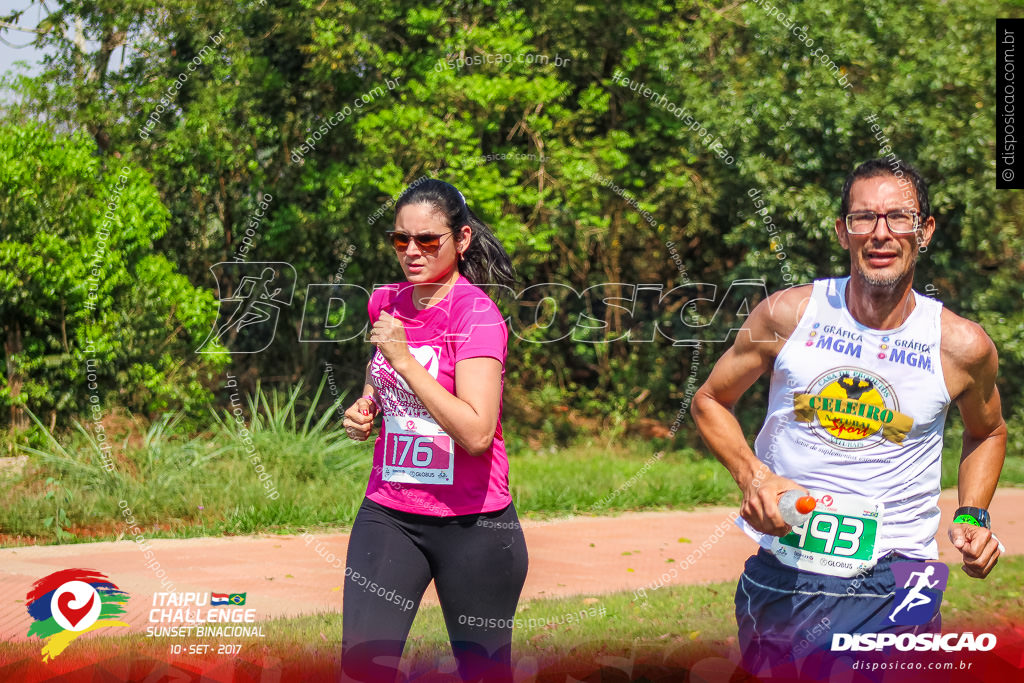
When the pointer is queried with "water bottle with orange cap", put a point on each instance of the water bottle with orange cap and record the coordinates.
(796, 507)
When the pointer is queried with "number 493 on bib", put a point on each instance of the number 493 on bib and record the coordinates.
(834, 534)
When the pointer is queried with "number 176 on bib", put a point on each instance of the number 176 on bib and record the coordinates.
(412, 451)
(419, 459)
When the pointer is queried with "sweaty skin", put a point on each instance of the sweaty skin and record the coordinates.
(470, 416)
(879, 296)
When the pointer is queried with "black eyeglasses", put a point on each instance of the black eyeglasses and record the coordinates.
(428, 244)
(899, 222)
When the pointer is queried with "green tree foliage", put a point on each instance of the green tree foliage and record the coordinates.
(91, 313)
(332, 108)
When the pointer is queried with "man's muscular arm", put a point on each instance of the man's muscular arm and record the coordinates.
(753, 354)
(970, 358)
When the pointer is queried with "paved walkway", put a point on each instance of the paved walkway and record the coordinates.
(285, 575)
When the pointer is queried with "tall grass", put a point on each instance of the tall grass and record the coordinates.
(182, 484)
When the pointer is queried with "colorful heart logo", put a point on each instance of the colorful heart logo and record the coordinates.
(76, 606)
(72, 614)
(71, 602)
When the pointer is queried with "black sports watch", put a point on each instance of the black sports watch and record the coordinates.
(972, 515)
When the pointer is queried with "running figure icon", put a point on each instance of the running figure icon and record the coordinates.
(247, 319)
(915, 598)
(252, 309)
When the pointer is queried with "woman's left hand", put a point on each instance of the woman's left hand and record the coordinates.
(388, 334)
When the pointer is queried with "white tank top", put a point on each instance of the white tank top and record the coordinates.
(857, 411)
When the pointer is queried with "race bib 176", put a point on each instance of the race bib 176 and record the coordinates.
(417, 451)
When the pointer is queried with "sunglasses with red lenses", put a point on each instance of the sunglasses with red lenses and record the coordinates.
(428, 244)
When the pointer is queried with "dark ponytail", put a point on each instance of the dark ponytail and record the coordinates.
(485, 261)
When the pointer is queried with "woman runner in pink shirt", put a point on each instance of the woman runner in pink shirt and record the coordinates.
(437, 504)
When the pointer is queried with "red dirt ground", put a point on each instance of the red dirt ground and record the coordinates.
(284, 576)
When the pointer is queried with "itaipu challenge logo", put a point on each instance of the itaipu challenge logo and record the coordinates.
(68, 603)
(851, 409)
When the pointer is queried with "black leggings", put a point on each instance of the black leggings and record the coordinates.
(478, 563)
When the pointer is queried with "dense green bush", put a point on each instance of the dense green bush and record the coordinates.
(585, 179)
(92, 315)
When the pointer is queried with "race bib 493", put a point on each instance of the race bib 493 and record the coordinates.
(838, 539)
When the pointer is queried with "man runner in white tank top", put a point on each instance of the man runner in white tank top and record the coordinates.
(863, 370)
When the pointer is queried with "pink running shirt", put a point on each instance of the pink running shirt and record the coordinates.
(417, 467)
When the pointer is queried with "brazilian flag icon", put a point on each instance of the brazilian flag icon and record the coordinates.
(237, 598)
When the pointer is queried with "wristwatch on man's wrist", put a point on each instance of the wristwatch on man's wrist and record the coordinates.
(972, 515)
